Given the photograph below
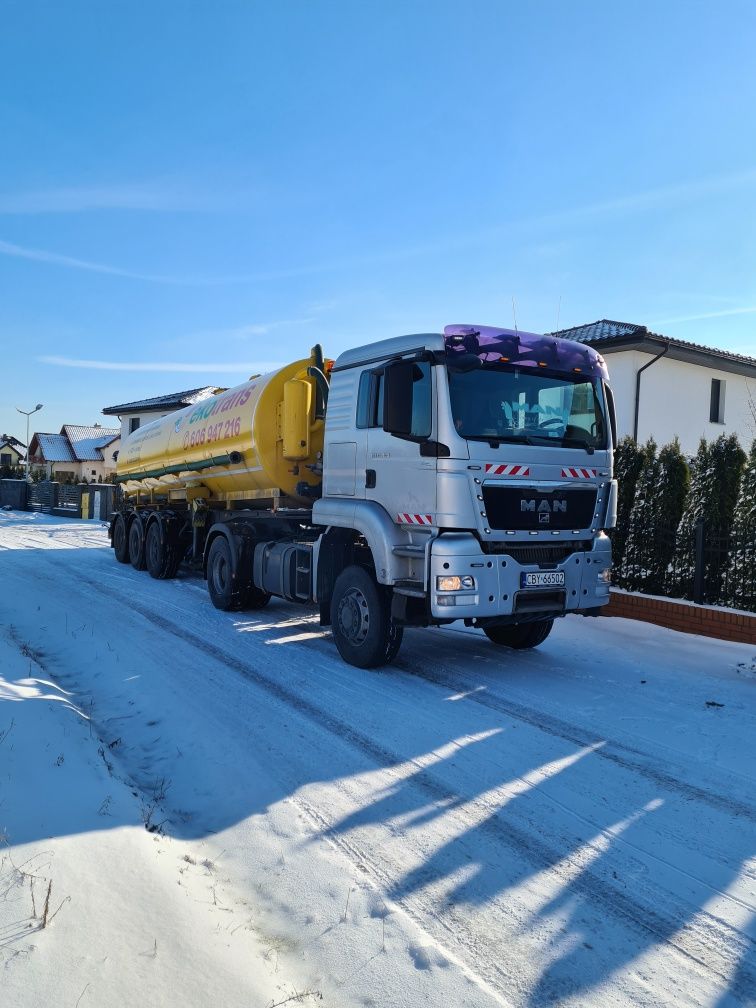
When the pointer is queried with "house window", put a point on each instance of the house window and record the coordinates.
(5, 459)
(93, 471)
(133, 424)
(717, 401)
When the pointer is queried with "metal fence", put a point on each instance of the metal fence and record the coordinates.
(704, 564)
(69, 497)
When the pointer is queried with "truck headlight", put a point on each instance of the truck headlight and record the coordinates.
(454, 582)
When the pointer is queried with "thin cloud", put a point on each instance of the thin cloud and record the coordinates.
(54, 258)
(157, 197)
(225, 367)
(706, 315)
(40, 255)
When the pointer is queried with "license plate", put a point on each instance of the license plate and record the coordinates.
(542, 579)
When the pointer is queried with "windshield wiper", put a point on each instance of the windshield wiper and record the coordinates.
(580, 442)
(495, 440)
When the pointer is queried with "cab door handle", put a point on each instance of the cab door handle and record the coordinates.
(370, 477)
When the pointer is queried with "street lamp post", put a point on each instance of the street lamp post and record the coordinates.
(27, 414)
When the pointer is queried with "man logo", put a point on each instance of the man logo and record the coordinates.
(545, 507)
(544, 518)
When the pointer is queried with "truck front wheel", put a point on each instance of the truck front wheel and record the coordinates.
(528, 635)
(361, 620)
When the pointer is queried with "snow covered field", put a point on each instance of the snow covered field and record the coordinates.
(201, 808)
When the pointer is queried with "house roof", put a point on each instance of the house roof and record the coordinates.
(172, 401)
(10, 440)
(87, 442)
(8, 443)
(607, 336)
(53, 447)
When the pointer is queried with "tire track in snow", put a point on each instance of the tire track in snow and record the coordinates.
(615, 752)
(690, 932)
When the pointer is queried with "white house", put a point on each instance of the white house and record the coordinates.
(77, 453)
(666, 388)
(135, 414)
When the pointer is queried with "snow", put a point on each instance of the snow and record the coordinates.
(471, 827)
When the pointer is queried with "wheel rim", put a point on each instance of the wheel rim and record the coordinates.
(135, 539)
(119, 535)
(354, 616)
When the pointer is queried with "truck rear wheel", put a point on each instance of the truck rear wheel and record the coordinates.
(361, 620)
(120, 540)
(254, 598)
(224, 590)
(136, 544)
(528, 635)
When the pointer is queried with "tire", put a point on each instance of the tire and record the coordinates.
(136, 544)
(528, 635)
(254, 598)
(361, 620)
(221, 585)
(120, 540)
(162, 556)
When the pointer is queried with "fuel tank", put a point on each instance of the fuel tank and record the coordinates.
(257, 439)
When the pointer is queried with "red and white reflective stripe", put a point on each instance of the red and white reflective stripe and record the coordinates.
(579, 473)
(414, 519)
(506, 469)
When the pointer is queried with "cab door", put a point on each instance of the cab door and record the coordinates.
(398, 475)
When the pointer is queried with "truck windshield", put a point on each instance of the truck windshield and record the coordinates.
(507, 403)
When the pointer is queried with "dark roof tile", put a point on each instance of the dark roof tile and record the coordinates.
(174, 400)
(597, 333)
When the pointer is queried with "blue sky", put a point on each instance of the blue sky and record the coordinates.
(193, 191)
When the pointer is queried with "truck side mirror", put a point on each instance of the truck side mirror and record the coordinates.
(612, 414)
(398, 381)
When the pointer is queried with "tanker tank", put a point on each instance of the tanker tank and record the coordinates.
(262, 439)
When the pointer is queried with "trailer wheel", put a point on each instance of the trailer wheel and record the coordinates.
(120, 540)
(162, 556)
(361, 620)
(136, 544)
(529, 635)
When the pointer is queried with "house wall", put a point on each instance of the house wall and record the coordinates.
(675, 398)
(14, 453)
(144, 418)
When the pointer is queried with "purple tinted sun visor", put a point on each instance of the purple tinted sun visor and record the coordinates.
(507, 346)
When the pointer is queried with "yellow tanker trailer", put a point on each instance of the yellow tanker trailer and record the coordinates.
(262, 440)
(201, 485)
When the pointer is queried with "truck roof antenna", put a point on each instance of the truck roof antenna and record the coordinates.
(514, 315)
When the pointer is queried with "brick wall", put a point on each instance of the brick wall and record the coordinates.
(725, 624)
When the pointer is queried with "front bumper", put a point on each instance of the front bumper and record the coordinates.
(498, 591)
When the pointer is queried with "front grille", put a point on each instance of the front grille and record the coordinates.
(516, 508)
(536, 553)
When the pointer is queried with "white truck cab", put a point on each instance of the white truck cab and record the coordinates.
(477, 466)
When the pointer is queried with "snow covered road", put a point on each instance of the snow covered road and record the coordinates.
(472, 826)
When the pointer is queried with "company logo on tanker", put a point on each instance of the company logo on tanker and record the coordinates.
(221, 405)
(217, 429)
